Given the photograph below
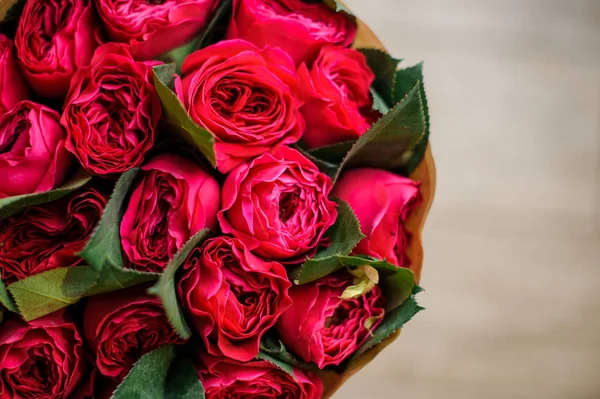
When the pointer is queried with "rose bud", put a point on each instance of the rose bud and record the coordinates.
(336, 90)
(111, 112)
(174, 199)
(298, 27)
(48, 236)
(248, 98)
(278, 205)
(123, 326)
(55, 38)
(325, 329)
(382, 202)
(154, 27)
(232, 296)
(13, 87)
(33, 157)
(225, 378)
(44, 359)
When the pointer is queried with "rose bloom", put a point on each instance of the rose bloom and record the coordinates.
(154, 27)
(248, 98)
(225, 378)
(232, 296)
(44, 359)
(298, 27)
(122, 326)
(48, 236)
(55, 38)
(322, 328)
(278, 205)
(174, 199)
(337, 92)
(13, 87)
(111, 111)
(33, 157)
(382, 202)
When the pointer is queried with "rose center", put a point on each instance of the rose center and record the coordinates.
(8, 140)
(288, 203)
(338, 317)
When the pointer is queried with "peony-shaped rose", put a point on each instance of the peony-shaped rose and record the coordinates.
(33, 157)
(227, 378)
(382, 201)
(232, 296)
(53, 40)
(111, 111)
(337, 93)
(122, 326)
(48, 236)
(13, 87)
(154, 27)
(44, 359)
(248, 98)
(174, 199)
(322, 328)
(278, 205)
(298, 27)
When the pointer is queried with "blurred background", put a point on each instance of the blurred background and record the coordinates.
(512, 245)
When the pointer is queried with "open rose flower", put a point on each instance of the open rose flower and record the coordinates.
(278, 205)
(13, 87)
(111, 111)
(33, 157)
(296, 26)
(53, 40)
(382, 201)
(44, 359)
(154, 27)
(122, 326)
(248, 98)
(225, 378)
(322, 328)
(232, 296)
(48, 236)
(174, 199)
(337, 92)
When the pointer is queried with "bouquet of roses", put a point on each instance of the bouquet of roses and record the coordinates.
(203, 198)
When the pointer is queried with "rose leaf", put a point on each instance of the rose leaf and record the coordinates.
(148, 376)
(11, 205)
(337, 6)
(270, 345)
(366, 277)
(278, 363)
(6, 300)
(165, 287)
(113, 278)
(183, 381)
(333, 153)
(384, 67)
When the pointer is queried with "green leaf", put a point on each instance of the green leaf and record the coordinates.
(113, 278)
(330, 169)
(166, 290)
(334, 153)
(11, 205)
(379, 103)
(278, 363)
(337, 6)
(220, 17)
(147, 378)
(6, 300)
(183, 381)
(177, 117)
(366, 277)
(384, 67)
(275, 349)
(178, 55)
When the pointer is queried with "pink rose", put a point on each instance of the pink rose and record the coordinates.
(12, 85)
(382, 202)
(53, 40)
(337, 93)
(154, 27)
(322, 328)
(232, 296)
(173, 200)
(298, 27)
(248, 98)
(33, 157)
(278, 205)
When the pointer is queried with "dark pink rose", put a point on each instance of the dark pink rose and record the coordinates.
(296, 26)
(278, 205)
(154, 27)
(33, 157)
(173, 200)
(337, 94)
(248, 98)
(44, 359)
(382, 202)
(13, 87)
(322, 328)
(53, 40)
(232, 296)
(111, 112)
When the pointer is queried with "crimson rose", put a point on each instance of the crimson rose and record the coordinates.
(12, 85)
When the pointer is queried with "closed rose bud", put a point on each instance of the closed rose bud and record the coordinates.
(13, 87)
